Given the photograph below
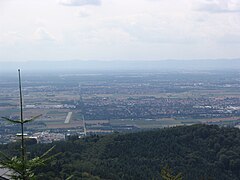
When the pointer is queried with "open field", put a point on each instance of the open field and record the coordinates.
(125, 101)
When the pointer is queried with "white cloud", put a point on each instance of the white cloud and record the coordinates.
(80, 2)
(107, 36)
(230, 39)
(84, 13)
(11, 38)
(141, 28)
(41, 34)
(153, 28)
(219, 6)
(40, 22)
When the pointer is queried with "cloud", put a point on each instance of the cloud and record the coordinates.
(40, 22)
(149, 28)
(230, 39)
(41, 34)
(83, 13)
(219, 6)
(80, 2)
(11, 38)
(108, 36)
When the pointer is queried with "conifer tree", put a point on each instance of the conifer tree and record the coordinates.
(20, 167)
(167, 174)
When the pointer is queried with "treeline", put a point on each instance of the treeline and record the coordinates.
(198, 152)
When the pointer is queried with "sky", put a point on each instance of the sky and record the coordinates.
(56, 30)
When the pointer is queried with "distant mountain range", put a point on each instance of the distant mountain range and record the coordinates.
(146, 66)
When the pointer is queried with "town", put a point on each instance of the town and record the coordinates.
(81, 104)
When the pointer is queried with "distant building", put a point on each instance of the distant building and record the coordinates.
(4, 173)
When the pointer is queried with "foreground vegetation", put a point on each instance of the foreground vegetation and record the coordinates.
(198, 152)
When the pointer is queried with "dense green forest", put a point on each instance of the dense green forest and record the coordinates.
(198, 152)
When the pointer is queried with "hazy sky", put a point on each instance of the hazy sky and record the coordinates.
(119, 29)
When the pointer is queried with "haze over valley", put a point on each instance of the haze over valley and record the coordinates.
(120, 89)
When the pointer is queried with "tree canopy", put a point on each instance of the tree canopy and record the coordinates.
(197, 152)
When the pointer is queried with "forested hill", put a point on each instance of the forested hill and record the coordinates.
(198, 152)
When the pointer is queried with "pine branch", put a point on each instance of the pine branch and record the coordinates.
(47, 152)
(19, 121)
(11, 120)
(166, 174)
(4, 156)
(70, 177)
(32, 119)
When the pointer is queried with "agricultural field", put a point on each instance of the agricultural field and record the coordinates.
(123, 101)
